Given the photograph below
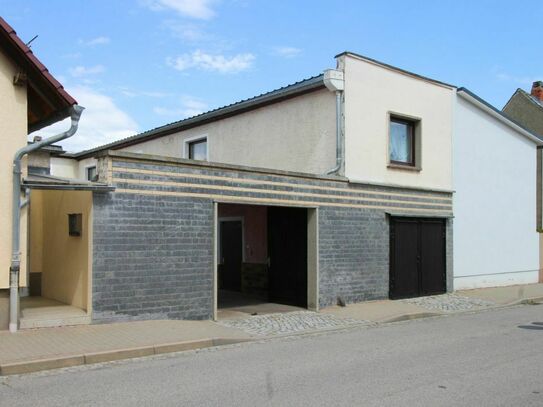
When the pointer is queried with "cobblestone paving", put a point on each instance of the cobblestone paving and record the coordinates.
(289, 322)
(449, 303)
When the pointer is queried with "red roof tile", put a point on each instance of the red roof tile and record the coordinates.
(33, 60)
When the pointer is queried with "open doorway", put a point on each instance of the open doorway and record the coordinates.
(266, 259)
(60, 252)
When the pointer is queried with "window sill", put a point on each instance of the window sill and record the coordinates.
(404, 167)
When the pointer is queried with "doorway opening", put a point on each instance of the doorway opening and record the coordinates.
(266, 259)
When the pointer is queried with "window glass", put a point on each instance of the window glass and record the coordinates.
(91, 174)
(401, 142)
(198, 150)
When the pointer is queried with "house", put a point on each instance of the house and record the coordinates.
(337, 188)
(293, 197)
(495, 182)
(31, 100)
(527, 110)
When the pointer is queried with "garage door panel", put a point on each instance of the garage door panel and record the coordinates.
(432, 258)
(404, 280)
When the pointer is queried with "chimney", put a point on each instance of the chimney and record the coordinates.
(537, 90)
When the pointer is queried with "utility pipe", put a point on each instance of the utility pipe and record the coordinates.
(334, 81)
(339, 150)
(75, 114)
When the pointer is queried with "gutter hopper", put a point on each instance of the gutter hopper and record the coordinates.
(333, 80)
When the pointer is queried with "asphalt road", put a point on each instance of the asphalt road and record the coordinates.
(492, 358)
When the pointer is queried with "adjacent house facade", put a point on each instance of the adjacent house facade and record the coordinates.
(338, 188)
(527, 110)
(495, 182)
(31, 99)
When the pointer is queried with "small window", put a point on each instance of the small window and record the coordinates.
(198, 149)
(92, 175)
(75, 222)
(402, 141)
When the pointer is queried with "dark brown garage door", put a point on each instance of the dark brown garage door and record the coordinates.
(417, 257)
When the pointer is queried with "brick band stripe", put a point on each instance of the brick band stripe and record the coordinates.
(238, 199)
(137, 182)
(275, 183)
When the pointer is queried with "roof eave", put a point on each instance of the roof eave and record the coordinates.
(277, 96)
(500, 116)
(395, 68)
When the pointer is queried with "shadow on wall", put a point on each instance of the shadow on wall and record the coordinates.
(4, 309)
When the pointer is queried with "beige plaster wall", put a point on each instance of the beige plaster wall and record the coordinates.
(66, 259)
(64, 167)
(13, 136)
(297, 135)
(36, 232)
(372, 92)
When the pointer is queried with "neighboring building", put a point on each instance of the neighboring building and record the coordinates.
(494, 172)
(30, 100)
(527, 110)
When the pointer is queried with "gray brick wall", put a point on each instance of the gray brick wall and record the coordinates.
(153, 254)
(353, 254)
(152, 257)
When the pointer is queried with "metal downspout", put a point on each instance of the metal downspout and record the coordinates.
(339, 149)
(75, 114)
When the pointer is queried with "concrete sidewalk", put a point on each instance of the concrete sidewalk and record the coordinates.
(49, 348)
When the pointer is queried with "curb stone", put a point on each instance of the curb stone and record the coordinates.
(11, 368)
(35, 365)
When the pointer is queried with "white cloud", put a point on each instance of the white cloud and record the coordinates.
(132, 93)
(80, 71)
(515, 79)
(287, 52)
(95, 41)
(102, 121)
(189, 107)
(209, 62)
(199, 9)
(187, 32)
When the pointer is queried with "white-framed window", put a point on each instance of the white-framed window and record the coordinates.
(91, 174)
(196, 148)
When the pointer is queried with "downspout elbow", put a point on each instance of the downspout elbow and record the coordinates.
(334, 81)
(14, 271)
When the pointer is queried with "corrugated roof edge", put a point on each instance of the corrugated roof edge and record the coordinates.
(395, 68)
(512, 123)
(32, 59)
(285, 92)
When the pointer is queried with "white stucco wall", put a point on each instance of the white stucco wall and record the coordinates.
(494, 173)
(297, 135)
(372, 91)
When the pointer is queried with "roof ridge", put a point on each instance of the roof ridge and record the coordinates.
(251, 101)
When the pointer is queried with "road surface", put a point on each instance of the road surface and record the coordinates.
(492, 358)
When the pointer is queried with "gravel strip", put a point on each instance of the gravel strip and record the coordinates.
(289, 322)
(449, 303)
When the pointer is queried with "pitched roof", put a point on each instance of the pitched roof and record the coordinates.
(498, 114)
(296, 89)
(526, 95)
(394, 68)
(50, 100)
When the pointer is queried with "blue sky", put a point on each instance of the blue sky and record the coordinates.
(138, 64)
